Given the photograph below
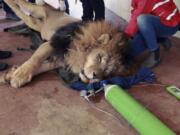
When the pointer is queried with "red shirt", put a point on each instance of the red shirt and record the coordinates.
(165, 9)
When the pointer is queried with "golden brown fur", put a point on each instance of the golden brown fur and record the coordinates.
(95, 52)
(89, 44)
(88, 40)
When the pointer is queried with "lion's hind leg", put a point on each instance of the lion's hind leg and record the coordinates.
(32, 22)
(36, 11)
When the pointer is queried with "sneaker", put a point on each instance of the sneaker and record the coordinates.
(3, 66)
(13, 17)
(166, 43)
(5, 54)
(152, 60)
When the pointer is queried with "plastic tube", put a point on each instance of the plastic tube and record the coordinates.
(137, 115)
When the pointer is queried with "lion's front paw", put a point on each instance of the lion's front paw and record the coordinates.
(6, 77)
(22, 75)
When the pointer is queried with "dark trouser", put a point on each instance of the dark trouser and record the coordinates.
(67, 6)
(91, 7)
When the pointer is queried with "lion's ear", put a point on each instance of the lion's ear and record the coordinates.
(104, 39)
(116, 43)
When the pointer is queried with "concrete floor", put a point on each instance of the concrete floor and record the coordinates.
(47, 107)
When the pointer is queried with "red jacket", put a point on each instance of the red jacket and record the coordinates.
(165, 9)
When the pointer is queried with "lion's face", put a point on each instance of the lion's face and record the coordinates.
(99, 64)
(95, 54)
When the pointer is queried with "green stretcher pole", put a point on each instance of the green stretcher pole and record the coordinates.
(137, 115)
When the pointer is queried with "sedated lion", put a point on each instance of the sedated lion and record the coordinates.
(92, 50)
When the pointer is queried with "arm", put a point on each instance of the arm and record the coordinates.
(139, 7)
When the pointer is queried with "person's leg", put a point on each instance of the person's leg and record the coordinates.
(99, 9)
(163, 36)
(137, 45)
(67, 6)
(151, 28)
(165, 42)
(87, 10)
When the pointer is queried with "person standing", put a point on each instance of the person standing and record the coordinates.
(67, 6)
(93, 10)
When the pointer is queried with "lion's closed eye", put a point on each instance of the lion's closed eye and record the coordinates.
(99, 58)
(102, 58)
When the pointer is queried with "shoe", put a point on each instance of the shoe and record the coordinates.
(3, 66)
(166, 43)
(5, 54)
(153, 59)
(13, 17)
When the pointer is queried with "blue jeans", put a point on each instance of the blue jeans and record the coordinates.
(150, 30)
